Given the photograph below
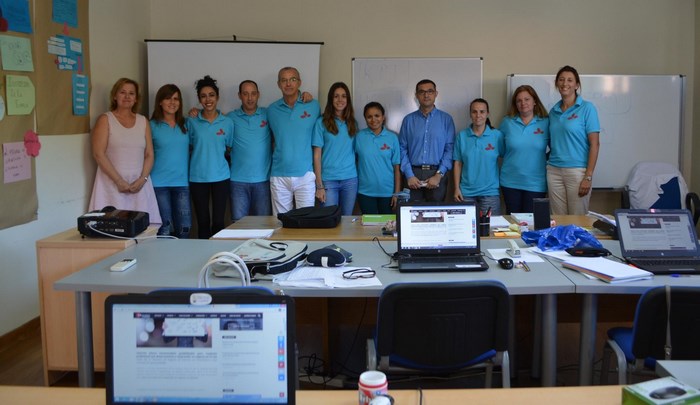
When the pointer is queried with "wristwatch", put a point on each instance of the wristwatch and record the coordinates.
(589, 178)
(439, 172)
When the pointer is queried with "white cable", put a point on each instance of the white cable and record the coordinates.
(224, 262)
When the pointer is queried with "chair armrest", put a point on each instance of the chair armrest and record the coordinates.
(371, 355)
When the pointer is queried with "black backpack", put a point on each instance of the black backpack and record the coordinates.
(311, 217)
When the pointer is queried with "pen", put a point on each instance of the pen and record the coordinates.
(525, 266)
(488, 212)
(680, 275)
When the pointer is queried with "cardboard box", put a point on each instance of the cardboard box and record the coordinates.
(662, 391)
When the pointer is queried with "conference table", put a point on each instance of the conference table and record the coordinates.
(351, 228)
(168, 263)
(600, 395)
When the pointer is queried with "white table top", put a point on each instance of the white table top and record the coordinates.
(169, 263)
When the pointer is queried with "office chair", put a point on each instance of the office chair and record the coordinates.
(636, 349)
(441, 329)
(658, 185)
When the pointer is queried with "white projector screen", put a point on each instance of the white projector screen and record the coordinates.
(185, 62)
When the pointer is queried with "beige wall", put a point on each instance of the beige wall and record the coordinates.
(513, 36)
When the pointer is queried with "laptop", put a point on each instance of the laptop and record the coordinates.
(438, 237)
(662, 241)
(209, 347)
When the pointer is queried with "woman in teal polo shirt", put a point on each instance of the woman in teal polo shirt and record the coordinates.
(575, 141)
(378, 163)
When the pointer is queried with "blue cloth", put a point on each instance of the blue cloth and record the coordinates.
(337, 152)
(209, 142)
(251, 153)
(569, 131)
(175, 211)
(171, 151)
(250, 199)
(292, 129)
(376, 157)
(479, 157)
(341, 193)
(426, 140)
(524, 156)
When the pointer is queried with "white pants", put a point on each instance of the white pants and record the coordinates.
(563, 183)
(285, 191)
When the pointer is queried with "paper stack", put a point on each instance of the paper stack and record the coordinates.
(606, 270)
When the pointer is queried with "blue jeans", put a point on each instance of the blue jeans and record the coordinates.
(342, 193)
(250, 199)
(175, 211)
(484, 202)
(518, 200)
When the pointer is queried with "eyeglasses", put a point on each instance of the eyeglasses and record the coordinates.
(424, 92)
(290, 80)
(359, 273)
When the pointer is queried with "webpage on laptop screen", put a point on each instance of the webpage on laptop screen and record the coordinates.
(438, 227)
(657, 232)
(217, 353)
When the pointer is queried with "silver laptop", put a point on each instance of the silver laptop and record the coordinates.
(438, 237)
(204, 348)
(662, 241)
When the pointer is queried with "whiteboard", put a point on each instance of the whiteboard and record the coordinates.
(185, 62)
(641, 119)
(392, 82)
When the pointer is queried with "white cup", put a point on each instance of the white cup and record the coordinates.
(371, 384)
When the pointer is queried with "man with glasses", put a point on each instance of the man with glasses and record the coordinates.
(426, 139)
(292, 178)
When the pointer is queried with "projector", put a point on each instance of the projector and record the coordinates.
(113, 221)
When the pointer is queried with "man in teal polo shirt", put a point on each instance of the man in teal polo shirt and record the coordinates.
(292, 179)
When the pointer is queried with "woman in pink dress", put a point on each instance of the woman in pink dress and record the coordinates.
(123, 150)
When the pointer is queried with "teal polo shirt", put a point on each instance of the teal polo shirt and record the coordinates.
(292, 129)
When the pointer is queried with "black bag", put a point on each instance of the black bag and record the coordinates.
(311, 217)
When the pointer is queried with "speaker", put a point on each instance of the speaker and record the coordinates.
(540, 208)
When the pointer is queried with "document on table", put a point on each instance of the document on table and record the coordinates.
(243, 233)
(499, 221)
(525, 255)
(323, 277)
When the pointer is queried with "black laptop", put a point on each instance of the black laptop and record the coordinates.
(662, 241)
(438, 237)
(200, 348)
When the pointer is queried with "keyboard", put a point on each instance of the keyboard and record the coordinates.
(442, 259)
(667, 262)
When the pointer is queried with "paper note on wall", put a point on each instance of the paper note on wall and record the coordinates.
(17, 15)
(65, 11)
(16, 53)
(16, 164)
(68, 51)
(80, 94)
(20, 95)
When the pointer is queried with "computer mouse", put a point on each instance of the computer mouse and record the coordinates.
(667, 392)
(505, 263)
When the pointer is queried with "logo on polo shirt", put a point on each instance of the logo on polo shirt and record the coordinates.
(538, 131)
(305, 115)
(385, 147)
(221, 132)
(489, 147)
(263, 124)
(572, 117)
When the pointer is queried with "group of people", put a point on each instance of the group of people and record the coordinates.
(290, 154)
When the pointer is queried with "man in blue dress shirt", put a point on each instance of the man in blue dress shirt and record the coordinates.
(426, 139)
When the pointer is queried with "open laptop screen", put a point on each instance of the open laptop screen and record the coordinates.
(232, 353)
(656, 233)
(437, 228)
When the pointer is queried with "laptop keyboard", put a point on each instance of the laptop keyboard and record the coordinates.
(443, 259)
(667, 262)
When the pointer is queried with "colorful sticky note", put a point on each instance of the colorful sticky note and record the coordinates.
(65, 12)
(16, 14)
(16, 53)
(20, 95)
(16, 163)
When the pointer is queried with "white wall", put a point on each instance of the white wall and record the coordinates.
(513, 36)
(65, 169)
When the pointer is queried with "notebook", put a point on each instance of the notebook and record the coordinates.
(662, 241)
(437, 237)
(205, 348)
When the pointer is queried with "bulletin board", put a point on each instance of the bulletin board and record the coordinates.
(18, 197)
